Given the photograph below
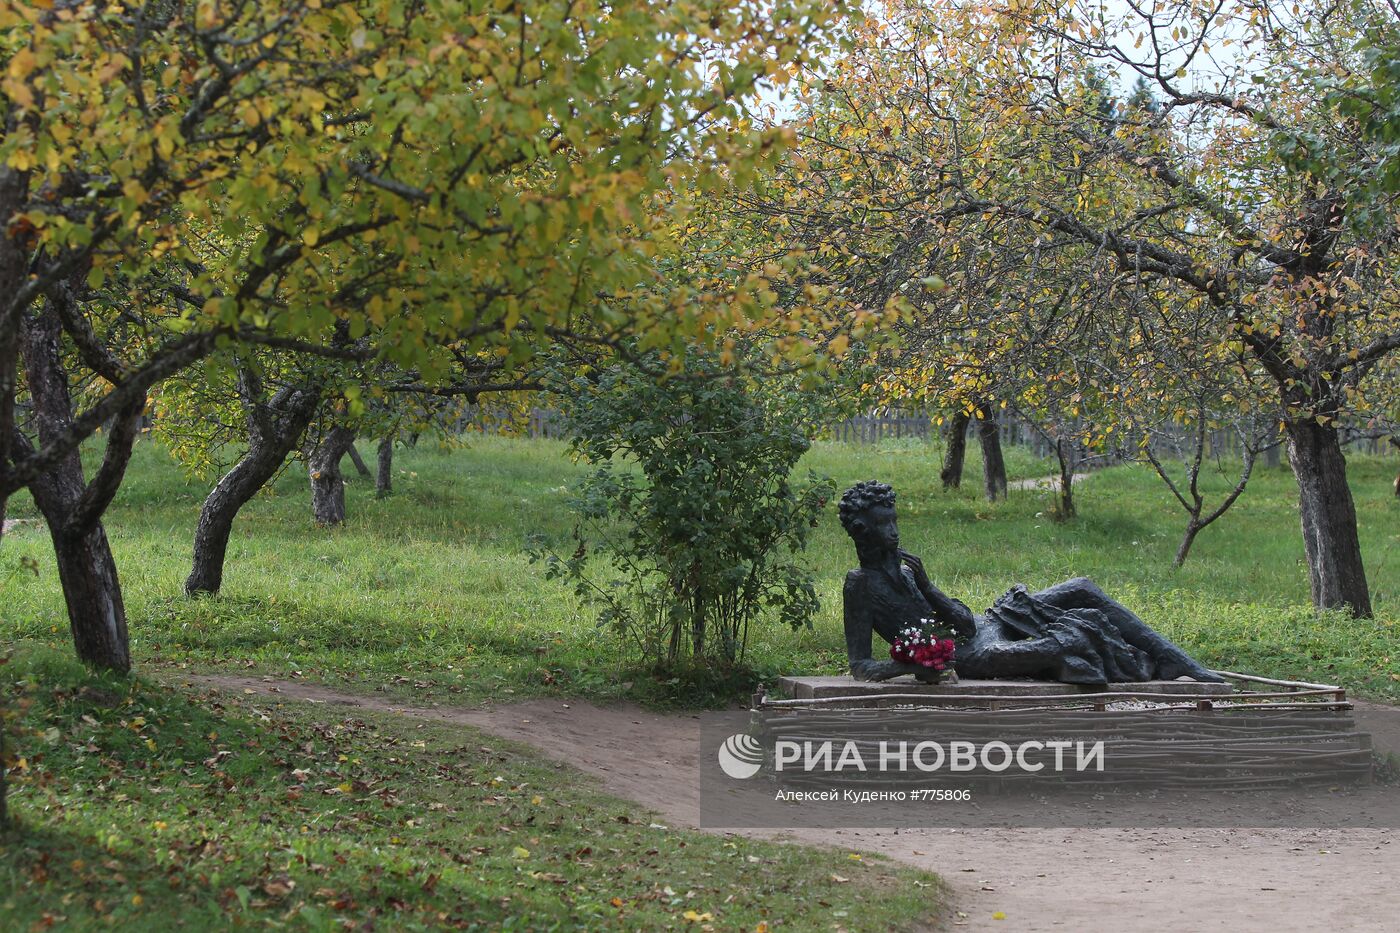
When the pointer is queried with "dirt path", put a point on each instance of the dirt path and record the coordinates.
(1118, 880)
(1045, 482)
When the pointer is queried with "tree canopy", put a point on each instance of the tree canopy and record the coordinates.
(432, 184)
(982, 146)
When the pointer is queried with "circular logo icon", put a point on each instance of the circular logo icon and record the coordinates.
(740, 756)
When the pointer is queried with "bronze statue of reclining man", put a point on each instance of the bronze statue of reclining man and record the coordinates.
(1072, 632)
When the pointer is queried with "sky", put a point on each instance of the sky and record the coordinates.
(1209, 71)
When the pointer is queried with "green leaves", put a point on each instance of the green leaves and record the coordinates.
(482, 164)
(1366, 100)
(703, 535)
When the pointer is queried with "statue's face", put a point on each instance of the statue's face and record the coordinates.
(876, 526)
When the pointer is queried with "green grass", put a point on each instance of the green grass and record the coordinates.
(431, 587)
(146, 808)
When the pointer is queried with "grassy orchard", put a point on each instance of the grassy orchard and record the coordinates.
(203, 202)
(430, 590)
(148, 808)
(140, 802)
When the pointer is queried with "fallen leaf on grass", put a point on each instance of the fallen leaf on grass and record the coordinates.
(549, 876)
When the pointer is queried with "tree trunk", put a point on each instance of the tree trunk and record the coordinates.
(327, 483)
(697, 633)
(93, 594)
(1396, 442)
(1065, 510)
(16, 249)
(993, 463)
(4, 809)
(4, 775)
(1197, 519)
(955, 453)
(356, 459)
(1330, 540)
(216, 517)
(384, 473)
(87, 573)
(274, 436)
(73, 507)
(1184, 550)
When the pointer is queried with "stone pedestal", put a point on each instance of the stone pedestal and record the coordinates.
(972, 692)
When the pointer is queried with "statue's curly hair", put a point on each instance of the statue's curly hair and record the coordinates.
(863, 496)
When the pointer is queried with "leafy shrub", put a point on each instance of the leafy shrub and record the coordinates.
(691, 505)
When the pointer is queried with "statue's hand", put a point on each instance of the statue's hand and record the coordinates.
(915, 564)
(950, 610)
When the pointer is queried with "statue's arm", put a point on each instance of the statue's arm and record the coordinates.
(855, 610)
(948, 610)
(858, 609)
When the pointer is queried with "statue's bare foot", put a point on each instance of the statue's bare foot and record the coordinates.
(1188, 670)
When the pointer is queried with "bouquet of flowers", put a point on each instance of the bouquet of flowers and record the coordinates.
(927, 644)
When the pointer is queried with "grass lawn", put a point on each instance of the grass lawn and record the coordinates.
(211, 813)
(430, 590)
(148, 808)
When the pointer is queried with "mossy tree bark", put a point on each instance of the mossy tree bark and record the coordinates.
(1064, 453)
(1330, 537)
(993, 461)
(327, 482)
(275, 426)
(361, 467)
(73, 506)
(955, 451)
(384, 468)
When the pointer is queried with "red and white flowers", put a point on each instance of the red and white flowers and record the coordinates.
(925, 644)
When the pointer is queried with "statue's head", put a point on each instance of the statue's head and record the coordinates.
(867, 514)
